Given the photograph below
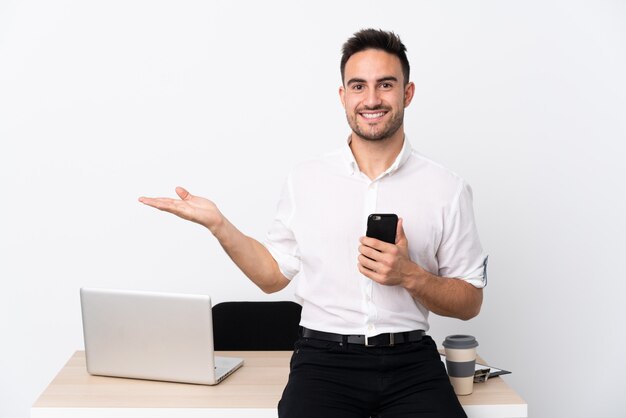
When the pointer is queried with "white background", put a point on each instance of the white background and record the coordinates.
(101, 102)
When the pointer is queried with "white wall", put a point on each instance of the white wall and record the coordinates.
(101, 102)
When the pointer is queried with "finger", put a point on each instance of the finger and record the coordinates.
(375, 243)
(183, 193)
(162, 203)
(370, 274)
(400, 237)
(152, 201)
(368, 263)
(370, 253)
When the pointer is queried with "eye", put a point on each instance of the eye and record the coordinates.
(386, 86)
(357, 87)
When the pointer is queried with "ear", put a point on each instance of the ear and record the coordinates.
(409, 91)
(342, 94)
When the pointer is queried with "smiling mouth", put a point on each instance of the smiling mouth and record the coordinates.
(373, 115)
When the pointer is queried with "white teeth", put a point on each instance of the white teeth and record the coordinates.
(372, 115)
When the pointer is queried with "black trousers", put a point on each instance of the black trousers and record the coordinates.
(330, 379)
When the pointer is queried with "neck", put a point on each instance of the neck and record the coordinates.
(374, 157)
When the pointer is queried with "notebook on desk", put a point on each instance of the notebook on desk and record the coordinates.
(150, 335)
(482, 372)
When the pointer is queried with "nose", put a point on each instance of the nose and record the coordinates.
(372, 100)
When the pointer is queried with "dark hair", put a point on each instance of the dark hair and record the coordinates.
(375, 39)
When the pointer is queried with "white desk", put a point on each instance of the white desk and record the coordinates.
(252, 392)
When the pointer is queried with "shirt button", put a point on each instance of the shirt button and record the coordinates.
(370, 327)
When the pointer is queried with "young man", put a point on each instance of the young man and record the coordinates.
(365, 302)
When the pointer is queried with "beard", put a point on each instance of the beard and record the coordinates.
(378, 132)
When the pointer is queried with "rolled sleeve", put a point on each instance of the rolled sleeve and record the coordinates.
(460, 254)
(280, 240)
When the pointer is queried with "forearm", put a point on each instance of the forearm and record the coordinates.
(252, 258)
(443, 295)
(249, 255)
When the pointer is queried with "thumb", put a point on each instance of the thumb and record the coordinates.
(400, 237)
(183, 193)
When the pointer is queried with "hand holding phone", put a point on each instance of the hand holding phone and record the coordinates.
(382, 226)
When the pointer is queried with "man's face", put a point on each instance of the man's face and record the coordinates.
(374, 95)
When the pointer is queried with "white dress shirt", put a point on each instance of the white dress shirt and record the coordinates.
(323, 212)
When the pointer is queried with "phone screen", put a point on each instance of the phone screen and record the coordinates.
(382, 226)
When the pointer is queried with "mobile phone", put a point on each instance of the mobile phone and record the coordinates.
(382, 226)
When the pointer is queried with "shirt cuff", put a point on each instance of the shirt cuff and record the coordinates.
(479, 278)
(288, 265)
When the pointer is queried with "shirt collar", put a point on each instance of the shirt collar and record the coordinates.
(402, 157)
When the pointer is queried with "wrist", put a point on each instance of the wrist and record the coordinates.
(218, 227)
(415, 279)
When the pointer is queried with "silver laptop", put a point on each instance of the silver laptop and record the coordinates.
(149, 335)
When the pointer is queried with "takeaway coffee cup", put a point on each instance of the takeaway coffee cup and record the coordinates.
(460, 361)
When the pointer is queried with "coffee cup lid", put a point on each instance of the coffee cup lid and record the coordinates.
(460, 341)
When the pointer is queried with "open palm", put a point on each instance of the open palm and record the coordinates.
(192, 208)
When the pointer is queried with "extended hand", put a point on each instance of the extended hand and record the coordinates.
(189, 207)
(386, 263)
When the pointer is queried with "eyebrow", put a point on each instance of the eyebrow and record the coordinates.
(380, 80)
